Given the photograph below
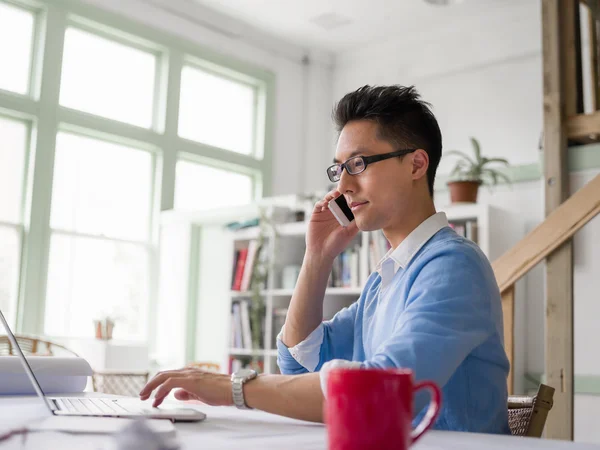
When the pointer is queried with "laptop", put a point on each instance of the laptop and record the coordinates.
(128, 407)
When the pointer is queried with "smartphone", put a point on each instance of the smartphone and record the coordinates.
(341, 211)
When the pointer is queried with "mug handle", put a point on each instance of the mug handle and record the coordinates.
(432, 412)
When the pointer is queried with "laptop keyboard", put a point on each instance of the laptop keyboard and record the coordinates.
(90, 406)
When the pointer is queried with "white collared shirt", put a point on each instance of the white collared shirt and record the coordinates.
(402, 255)
(307, 352)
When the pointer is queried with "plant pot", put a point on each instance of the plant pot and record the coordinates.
(463, 191)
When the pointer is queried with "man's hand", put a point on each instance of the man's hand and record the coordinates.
(325, 237)
(192, 384)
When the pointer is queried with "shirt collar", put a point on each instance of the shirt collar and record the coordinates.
(408, 248)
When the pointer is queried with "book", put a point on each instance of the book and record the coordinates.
(237, 320)
(347, 272)
(236, 256)
(471, 230)
(354, 268)
(249, 265)
(239, 269)
(246, 329)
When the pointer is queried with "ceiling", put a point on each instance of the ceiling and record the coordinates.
(338, 25)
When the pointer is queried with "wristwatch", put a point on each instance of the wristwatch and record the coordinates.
(237, 382)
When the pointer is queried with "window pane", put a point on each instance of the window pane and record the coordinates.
(89, 279)
(199, 187)
(16, 41)
(216, 111)
(108, 79)
(13, 148)
(101, 188)
(10, 261)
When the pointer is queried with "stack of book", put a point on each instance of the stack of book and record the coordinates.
(465, 228)
(244, 261)
(345, 271)
(241, 327)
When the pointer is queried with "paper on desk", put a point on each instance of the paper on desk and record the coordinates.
(56, 375)
(99, 425)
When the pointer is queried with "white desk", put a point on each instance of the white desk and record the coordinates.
(229, 428)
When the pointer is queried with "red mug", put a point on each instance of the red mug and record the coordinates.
(373, 409)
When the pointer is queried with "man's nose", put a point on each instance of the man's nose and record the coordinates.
(346, 183)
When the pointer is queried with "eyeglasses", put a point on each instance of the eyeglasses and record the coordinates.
(358, 164)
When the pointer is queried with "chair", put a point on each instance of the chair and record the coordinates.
(119, 383)
(34, 346)
(527, 415)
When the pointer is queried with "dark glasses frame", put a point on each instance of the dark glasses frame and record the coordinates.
(335, 177)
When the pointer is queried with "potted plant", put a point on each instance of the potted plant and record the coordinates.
(469, 173)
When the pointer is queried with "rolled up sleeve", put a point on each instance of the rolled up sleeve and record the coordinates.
(330, 340)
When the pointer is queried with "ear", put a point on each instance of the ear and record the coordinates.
(420, 163)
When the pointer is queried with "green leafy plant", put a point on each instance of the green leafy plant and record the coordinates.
(258, 279)
(477, 169)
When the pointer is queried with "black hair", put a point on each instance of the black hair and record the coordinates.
(402, 117)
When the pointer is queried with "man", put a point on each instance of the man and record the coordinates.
(432, 305)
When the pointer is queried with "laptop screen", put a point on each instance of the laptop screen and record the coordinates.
(26, 366)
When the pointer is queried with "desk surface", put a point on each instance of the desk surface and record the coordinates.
(229, 428)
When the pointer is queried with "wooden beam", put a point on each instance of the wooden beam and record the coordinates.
(562, 99)
(558, 227)
(584, 127)
(508, 314)
(559, 340)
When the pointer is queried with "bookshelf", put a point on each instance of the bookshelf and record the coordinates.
(197, 259)
(284, 246)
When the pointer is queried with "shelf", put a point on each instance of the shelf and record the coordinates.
(284, 229)
(292, 229)
(246, 352)
(240, 294)
(246, 234)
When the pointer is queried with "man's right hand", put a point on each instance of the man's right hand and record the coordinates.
(325, 237)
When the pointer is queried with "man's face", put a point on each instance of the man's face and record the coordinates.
(379, 195)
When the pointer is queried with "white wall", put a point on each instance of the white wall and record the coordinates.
(303, 92)
(483, 80)
(586, 263)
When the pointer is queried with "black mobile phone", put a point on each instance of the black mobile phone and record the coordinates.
(341, 211)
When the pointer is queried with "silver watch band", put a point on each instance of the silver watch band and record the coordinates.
(237, 386)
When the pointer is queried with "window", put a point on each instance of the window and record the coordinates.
(13, 152)
(199, 187)
(117, 102)
(101, 188)
(16, 44)
(106, 78)
(217, 111)
(100, 249)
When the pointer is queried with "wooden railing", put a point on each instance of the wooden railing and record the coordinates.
(558, 227)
